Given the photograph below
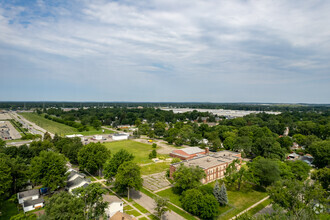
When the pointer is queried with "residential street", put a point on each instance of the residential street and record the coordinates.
(149, 204)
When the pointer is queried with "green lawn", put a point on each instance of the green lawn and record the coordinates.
(238, 200)
(257, 208)
(139, 150)
(8, 209)
(58, 128)
(154, 168)
(52, 126)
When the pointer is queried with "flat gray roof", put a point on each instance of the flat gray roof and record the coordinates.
(28, 193)
(33, 202)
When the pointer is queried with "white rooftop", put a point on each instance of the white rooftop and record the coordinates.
(192, 150)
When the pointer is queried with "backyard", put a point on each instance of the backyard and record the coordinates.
(238, 200)
(139, 150)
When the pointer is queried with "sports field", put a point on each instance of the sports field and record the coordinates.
(139, 150)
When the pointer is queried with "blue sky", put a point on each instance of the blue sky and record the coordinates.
(165, 50)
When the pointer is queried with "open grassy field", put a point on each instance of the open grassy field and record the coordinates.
(52, 126)
(238, 200)
(58, 128)
(139, 150)
(154, 168)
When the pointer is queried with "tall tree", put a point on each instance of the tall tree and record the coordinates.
(94, 206)
(321, 152)
(216, 191)
(322, 176)
(112, 165)
(49, 169)
(223, 198)
(195, 202)
(5, 178)
(300, 169)
(128, 176)
(266, 171)
(63, 205)
(92, 157)
(188, 177)
(161, 206)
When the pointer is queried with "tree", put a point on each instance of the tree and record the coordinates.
(92, 157)
(161, 206)
(19, 174)
(153, 154)
(128, 176)
(49, 169)
(91, 195)
(188, 177)
(159, 128)
(296, 196)
(300, 169)
(5, 177)
(322, 176)
(266, 171)
(64, 206)
(97, 124)
(112, 165)
(222, 195)
(154, 145)
(47, 137)
(321, 153)
(202, 205)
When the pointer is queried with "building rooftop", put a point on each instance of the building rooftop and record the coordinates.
(110, 199)
(28, 193)
(209, 161)
(77, 181)
(122, 216)
(33, 202)
(192, 150)
(120, 134)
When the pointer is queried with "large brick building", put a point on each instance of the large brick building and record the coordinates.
(214, 164)
(189, 152)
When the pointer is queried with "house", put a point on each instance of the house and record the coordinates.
(189, 153)
(76, 180)
(120, 136)
(295, 146)
(114, 205)
(28, 195)
(214, 165)
(30, 200)
(122, 216)
(308, 159)
(29, 205)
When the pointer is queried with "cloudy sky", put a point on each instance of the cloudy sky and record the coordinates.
(165, 50)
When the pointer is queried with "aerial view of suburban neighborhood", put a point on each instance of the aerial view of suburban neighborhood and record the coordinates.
(164, 110)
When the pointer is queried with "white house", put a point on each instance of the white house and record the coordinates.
(29, 205)
(28, 195)
(74, 174)
(120, 136)
(115, 205)
(30, 200)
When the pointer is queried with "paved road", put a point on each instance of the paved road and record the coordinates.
(149, 204)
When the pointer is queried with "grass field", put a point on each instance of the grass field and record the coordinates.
(58, 128)
(154, 168)
(238, 201)
(8, 209)
(139, 150)
(52, 126)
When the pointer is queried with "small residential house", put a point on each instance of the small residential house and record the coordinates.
(293, 156)
(307, 159)
(30, 199)
(76, 180)
(120, 136)
(188, 152)
(115, 205)
(122, 216)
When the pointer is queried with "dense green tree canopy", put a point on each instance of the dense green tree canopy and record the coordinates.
(49, 169)
(266, 171)
(92, 157)
(321, 152)
(112, 165)
(188, 177)
(5, 177)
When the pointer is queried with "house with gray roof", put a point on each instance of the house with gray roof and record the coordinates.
(114, 205)
(30, 200)
(76, 180)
